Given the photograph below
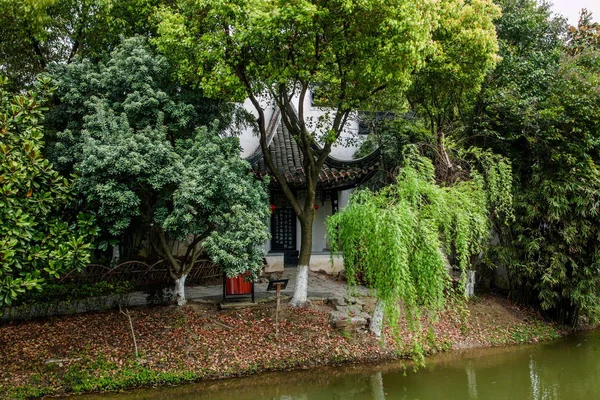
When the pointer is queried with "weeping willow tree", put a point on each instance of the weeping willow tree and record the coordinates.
(400, 240)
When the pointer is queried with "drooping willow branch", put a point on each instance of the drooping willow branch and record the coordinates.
(397, 240)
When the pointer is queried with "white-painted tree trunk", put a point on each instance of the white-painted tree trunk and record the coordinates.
(470, 284)
(180, 290)
(116, 255)
(301, 289)
(376, 324)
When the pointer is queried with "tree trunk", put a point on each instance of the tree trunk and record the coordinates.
(470, 284)
(301, 289)
(446, 162)
(180, 290)
(116, 255)
(376, 325)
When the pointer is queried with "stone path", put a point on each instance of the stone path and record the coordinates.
(319, 287)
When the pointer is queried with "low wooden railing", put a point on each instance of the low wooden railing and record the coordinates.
(142, 273)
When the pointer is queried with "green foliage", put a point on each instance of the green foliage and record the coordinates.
(73, 292)
(398, 239)
(36, 33)
(133, 82)
(465, 50)
(391, 136)
(442, 92)
(352, 52)
(200, 187)
(445, 88)
(530, 332)
(99, 375)
(350, 49)
(145, 166)
(541, 110)
(37, 238)
(497, 174)
(68, 298)
(585, 35)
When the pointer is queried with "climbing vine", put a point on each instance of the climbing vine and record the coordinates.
(401, 240)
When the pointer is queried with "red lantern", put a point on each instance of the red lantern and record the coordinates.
(316, 207)
(272, 207)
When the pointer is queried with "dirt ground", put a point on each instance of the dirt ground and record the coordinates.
(95, 351)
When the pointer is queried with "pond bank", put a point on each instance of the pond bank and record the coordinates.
(95, 351)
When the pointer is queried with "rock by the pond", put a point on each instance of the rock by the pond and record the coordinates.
(349, 310)
(356, 300)
(338, 301)
(341, 320)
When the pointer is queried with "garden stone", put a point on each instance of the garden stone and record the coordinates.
(349, 310)
(340, 320)
(338, 301)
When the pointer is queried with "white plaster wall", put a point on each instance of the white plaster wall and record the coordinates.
(344, 148)
(249, 136)
(343, 197)
(319, 242)
(321, 262)
(319, 229)
(349, 140)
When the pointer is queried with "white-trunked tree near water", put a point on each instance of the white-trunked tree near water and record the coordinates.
(350, 52)
(145, 165)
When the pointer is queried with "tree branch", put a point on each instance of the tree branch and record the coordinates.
(263, 142)
(192, 247)
(176, 267)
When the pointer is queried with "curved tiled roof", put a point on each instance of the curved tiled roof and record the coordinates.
(288, 159)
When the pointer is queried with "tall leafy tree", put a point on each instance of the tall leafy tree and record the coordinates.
(541, 109)
(133, 81)
(445, 89)
(145, 165)
(353, 51)
(198, 192)
(35, 33)
(38, 240)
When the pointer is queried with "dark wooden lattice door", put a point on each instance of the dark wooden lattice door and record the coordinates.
(283, 230)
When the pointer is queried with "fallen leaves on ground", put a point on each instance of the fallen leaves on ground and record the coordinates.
(211, 343)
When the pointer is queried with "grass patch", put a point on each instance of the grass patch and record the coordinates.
(534, 332)
(102, 376)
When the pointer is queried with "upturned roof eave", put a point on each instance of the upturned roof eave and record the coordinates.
(343, 173)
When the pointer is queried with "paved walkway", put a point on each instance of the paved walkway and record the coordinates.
(319, 287)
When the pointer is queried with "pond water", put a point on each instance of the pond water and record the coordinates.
(565, 369)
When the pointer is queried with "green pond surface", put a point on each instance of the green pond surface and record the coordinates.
(566, 369)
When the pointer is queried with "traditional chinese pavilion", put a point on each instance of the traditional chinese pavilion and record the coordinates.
(336, 181)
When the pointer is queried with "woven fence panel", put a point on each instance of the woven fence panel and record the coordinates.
(142, 273)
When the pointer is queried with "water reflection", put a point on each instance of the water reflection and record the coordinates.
(471, 382)
(377, 386)
(568, 369)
